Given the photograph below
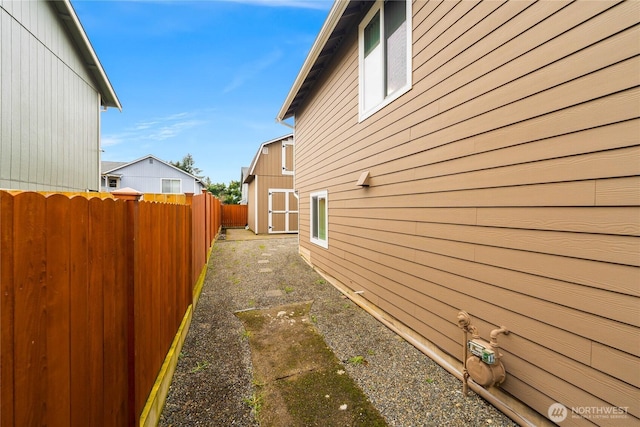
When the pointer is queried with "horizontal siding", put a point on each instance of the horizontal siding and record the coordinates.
(506, 182)
(271, 163)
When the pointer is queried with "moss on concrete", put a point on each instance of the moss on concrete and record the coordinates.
(301, 382)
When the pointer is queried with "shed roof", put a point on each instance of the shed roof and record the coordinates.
(343, 16)
(68, 16)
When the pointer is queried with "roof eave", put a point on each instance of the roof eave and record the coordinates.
(68, 15)
(336, 12)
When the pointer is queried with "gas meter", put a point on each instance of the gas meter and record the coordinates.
(482, 350)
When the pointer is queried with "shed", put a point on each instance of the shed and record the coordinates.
(271, 197)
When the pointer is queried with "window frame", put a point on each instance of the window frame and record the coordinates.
(313, 214)
(162, 180)
(115, 180)
(285, 144)
(387, 99)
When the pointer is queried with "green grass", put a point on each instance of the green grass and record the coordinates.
(199, 367)
(255, 402)
(357, 360)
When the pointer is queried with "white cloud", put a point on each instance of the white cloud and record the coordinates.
(153, 130)
(248, 71)
(169, 130)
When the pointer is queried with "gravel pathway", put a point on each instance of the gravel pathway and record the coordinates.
(213, 379)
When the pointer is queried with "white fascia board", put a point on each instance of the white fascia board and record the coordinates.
(77, 32)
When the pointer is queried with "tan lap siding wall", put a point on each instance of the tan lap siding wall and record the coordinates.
(505, 183)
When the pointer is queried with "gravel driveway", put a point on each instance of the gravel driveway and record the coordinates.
(212, 384)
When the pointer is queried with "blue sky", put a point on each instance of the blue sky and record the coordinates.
(201, 77)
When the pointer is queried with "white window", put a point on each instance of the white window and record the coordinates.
(384, 38)
(287, 157)
(319, 219)
(171, 185)
(113, 182)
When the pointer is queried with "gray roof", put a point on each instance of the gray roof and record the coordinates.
(108, 166)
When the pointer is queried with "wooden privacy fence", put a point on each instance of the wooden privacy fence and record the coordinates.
(92, 294)
(234, 215)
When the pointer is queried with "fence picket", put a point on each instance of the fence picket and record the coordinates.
(30, 379)
(6, 310)
(115, 315)
(80, 305)
(57, 232)
(95, 298)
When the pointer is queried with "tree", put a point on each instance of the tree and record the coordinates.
(234, 193)
(188, 165)
(229, 195)
(218, 190)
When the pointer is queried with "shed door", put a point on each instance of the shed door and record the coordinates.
(283, 211)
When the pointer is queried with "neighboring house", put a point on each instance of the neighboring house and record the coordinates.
(52, 88)
(271, 198)
(149, 175)
(245, 187)
(484, 157)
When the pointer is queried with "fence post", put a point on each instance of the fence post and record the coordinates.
(127, 193)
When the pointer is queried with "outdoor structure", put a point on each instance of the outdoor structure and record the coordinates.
(245, 187)
(149, 175)
(52, 87)
(484, 156)
(271, 199)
